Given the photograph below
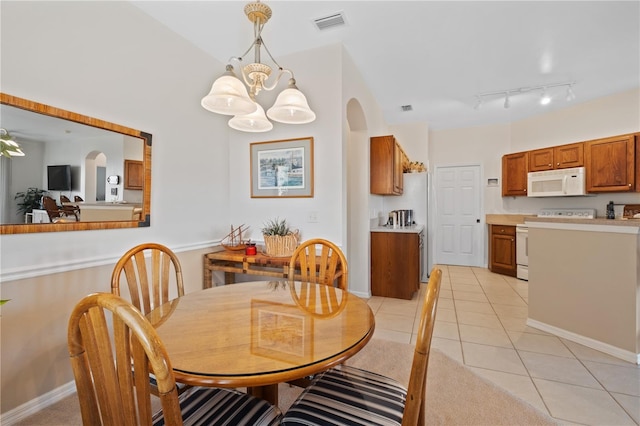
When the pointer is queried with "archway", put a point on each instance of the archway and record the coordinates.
(357, 199)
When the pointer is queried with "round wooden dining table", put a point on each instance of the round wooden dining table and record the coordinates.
(259, 334)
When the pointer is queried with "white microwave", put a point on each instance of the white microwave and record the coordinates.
(556, 183)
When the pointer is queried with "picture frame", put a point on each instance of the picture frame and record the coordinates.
(282, 168)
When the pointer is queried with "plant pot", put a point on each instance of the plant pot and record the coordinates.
(281, 246)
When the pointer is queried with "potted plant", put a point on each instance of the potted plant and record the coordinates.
(29, 200)
(279, 239)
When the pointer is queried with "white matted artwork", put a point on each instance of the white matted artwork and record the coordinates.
(282, 168)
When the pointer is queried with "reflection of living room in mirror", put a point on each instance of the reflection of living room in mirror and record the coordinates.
(89, 165)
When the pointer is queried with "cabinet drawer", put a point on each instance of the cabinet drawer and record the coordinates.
(503, 229)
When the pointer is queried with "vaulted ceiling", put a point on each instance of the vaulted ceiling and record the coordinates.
(437, 56)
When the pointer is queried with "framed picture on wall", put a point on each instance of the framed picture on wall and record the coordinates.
(282, 169)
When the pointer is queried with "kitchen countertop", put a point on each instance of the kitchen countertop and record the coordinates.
(507, 219)
(597, 221)
(413, 229)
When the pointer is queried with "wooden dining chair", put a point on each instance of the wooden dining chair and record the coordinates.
(320, 261)
(57, 214)
(148, 283)
(78, 199)
(101, 357)
(349, 395)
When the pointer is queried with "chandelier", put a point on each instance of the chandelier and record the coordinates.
(229, 96)
(545, 96)
(8, 146)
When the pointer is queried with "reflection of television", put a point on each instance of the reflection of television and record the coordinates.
(59, 178)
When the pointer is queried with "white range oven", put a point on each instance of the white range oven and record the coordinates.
(522, 235)
(522, 251)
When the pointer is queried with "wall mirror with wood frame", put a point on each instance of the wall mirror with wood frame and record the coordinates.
(78, 161)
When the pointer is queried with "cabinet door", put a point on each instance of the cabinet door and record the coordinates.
(397, 169)
(610, 164)
(395, 264)
(541, 159)
(567, 156)
(133, 174)
(514, 174)
(385, 166)
(503, 250)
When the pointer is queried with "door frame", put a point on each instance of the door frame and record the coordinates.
(432, 219)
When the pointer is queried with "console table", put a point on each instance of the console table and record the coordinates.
(236, 262)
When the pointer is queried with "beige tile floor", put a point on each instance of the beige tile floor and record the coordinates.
(481, 322)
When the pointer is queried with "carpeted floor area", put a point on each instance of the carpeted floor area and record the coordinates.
(455, 395)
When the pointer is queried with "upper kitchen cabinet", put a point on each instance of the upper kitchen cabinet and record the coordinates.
(514, 174)
(610, 164)
(386, 166)
(557, 157)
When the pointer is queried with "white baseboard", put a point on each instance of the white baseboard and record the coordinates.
(43, 401)
(587, 341)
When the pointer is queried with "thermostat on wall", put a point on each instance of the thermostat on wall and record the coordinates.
(113, 179)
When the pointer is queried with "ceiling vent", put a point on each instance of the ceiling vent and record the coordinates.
(333, 20)
(406, 108)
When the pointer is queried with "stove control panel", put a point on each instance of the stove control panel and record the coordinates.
(568, 213)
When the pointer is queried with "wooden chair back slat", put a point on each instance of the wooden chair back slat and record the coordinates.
(415, 403)
(320, 261)
(103, 362)
(148, 271)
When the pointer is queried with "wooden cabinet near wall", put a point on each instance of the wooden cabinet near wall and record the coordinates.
(557, 157)
(395, 264)
(514, 174)
(133, 174)
(610, 164)
(502, 249)
(385, 166)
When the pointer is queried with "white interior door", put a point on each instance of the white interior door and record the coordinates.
(457, 210)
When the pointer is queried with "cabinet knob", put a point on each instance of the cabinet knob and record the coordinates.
(512, 239)
(502, 230)
(558, 164)
(550, 164)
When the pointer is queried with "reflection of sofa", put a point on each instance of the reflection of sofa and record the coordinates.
(109, 212)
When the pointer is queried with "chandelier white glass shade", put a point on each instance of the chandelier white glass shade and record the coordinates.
(545, 97)
(8, 146)
(229, 96)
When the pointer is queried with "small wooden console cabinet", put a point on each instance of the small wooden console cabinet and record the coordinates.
(236, 262)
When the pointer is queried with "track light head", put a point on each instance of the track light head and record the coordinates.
(545, 99)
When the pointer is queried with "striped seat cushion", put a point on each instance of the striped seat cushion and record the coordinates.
(348, 396)
(218, 407)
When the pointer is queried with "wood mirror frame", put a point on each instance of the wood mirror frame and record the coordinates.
(94, 122)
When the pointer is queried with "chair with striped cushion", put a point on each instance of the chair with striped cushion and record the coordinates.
(149, 270)
(347, 395)
(101, 359)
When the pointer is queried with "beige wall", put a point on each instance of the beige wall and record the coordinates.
(34, 325)
(587, 283)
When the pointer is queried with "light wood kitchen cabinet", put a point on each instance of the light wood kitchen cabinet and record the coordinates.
(133, 174)
(395, 264)
(514, 174)
(502, 250)
(557, 157)
(385, 166)
(610, 164)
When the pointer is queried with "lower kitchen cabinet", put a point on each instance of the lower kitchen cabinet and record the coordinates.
(502, 250)
(395, 264)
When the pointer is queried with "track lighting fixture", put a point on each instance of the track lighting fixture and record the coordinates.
(545, 99)
(545, 95)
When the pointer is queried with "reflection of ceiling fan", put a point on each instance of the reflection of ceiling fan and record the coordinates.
(8, 146)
